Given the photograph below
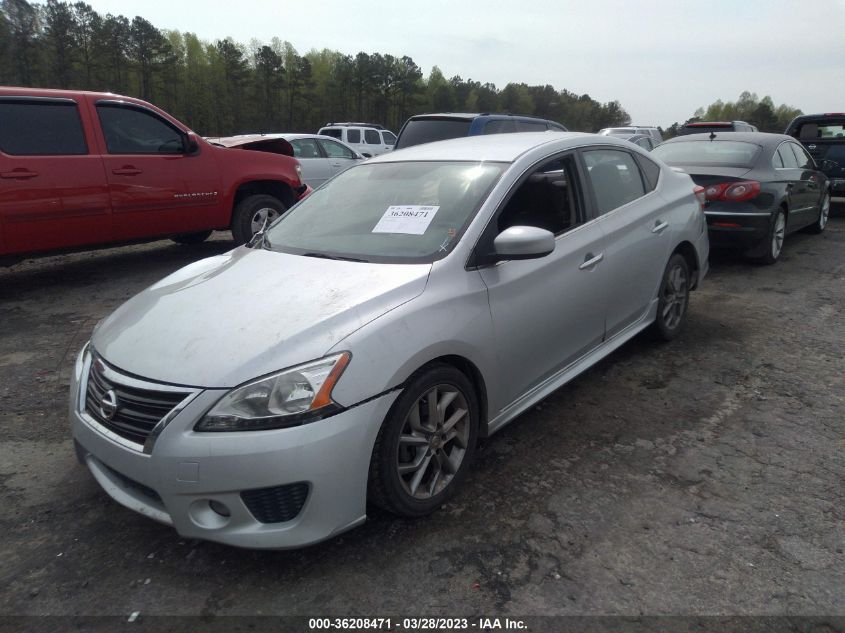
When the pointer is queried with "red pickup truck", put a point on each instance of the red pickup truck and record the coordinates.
(82, 169)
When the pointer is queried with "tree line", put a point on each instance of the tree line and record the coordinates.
(226, 87)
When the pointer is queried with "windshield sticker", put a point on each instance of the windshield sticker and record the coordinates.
(411, 219)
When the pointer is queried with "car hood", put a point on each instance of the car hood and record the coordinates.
(225, 320)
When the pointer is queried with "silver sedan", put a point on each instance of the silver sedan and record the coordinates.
(320, 157)
(357, 350)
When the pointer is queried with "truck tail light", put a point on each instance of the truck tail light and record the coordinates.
(733, 191)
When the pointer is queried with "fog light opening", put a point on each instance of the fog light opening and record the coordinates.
(219, 508)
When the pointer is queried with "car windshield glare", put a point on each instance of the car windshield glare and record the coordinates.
(723, 153)
(406, 212)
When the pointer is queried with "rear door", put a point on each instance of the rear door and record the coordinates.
(808, 189)
(316, 166)
(389, 139)
(155, 187)
(53, 191)
(340, 157)
(373, 143)
(635, 222)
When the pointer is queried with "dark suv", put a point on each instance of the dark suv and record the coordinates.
(425, 128)
(824, 137)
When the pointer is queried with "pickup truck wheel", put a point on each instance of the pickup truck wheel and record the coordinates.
(191, 238)
(251, 213)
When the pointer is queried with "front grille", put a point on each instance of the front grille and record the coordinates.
(277, 504)
(138, 409)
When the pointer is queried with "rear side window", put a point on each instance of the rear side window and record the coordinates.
(787, 157)
(499, 126)
(333, 132)
(29, 128)
(389, 138)
(418, 131)
(336, 150)
(651, 172)
(531, 126)
(803, 158)
(777, 161)
(353, 136)
(305, 148)
(372, 137)
(129, 130)
(615, 178)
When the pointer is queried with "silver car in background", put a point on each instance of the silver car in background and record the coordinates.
(358, 350)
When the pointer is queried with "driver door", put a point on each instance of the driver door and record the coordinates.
(155, 187)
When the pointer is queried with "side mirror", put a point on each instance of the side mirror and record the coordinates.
(523, 242)
(192, 146)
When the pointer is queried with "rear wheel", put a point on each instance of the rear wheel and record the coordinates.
(774, 240)
(191, 238)
(673, 299)
(426, 443)
(252, 212)
(824, 213)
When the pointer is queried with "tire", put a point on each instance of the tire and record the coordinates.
(407, 439)
(191, 238)
(824, 214)
(250, 213)
(773, 244)
(673, 299)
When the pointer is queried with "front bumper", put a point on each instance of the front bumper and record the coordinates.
(186, 475)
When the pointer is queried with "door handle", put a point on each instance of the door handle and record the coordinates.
(19, 174)
(335, 164)
(659, 226)
(126, 170)
(590, 260)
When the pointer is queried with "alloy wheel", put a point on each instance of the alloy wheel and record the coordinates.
(778, 234)
(261, 216)
(433, 441)
(675, 292)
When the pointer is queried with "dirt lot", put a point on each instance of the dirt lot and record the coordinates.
(700, 477)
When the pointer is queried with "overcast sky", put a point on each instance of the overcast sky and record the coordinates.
(661, 59)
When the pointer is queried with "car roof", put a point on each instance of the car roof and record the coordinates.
(492, 147)
(468, 116)
(763, 139)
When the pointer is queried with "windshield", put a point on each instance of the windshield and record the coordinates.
(418, 131)
(722, 153)
(409, 212)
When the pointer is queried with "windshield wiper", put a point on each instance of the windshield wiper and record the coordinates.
(327, 256)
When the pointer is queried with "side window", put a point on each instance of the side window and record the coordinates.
(372, 137)
(777, 161)
(556, 127)
(644, 143)
(353, 135)
(615, 178)
(803, 158)
(531, 126)
(787, 157)
(546, 199)
(499, 126)
(41, 129)
(131, 131)
(651, 172)
(336, 150)
(389, 137)
(331, 131)
(305, 148)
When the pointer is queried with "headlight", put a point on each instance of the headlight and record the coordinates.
(289, 398)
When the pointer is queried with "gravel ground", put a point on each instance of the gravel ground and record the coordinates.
(700, 477)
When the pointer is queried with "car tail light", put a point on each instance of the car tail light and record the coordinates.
(702, 197)
(733, 191)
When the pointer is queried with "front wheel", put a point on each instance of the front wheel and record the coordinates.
(252, 212)
(426, 443)
(824, 213)
(673, 299)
